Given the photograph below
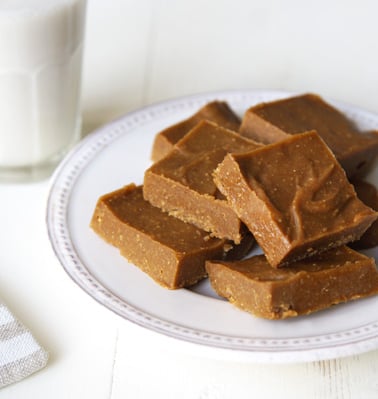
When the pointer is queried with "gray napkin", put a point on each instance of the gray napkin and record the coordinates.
(20, 354)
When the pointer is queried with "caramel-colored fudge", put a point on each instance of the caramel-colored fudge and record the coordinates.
(368, 194)
(181, 183)
(333, 277)
(294, 197)
(170, 251)
(274, 121)
(215, 111)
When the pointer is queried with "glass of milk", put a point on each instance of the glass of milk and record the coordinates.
(41, 46)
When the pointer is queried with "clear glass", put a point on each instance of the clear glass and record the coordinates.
(41, 47)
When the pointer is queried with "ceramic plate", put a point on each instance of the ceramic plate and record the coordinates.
(118, 154)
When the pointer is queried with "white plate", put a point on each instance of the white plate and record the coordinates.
(118, 154)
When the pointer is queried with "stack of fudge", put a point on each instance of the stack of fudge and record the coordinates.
(288, 176)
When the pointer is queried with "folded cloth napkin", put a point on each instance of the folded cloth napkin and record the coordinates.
(20, 354)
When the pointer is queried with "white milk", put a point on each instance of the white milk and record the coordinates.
(41, 43)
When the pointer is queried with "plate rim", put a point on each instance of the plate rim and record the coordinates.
(286, 350)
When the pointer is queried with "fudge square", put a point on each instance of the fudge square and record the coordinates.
(170, 251)
(181, 183)
(309, 285)
(273, 121)
(294, 197)
(215, 111)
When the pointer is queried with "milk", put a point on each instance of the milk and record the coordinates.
(41, 45)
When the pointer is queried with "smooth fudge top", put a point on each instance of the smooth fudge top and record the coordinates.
(304, 287)
(170, 251)
(215, 111)
(128, 206)
(181, 183)
(294, 197)
(194, 157)
(273, 121)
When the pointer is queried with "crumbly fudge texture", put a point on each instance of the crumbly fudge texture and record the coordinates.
(294, 197)
(181, 183)
(170, 251)
(215, 111)
(368, 194)
(273, 121)
(335, 276)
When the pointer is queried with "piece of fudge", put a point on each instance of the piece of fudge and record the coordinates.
(294, 197)
(215, 111)
(181, 183)
(307, 286)
(170, 251)
(273, 121)
(368, 194)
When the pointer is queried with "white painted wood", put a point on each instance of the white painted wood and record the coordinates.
(147, 367)
(78, 333)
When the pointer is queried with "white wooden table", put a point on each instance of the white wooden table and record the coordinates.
(139, 52)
